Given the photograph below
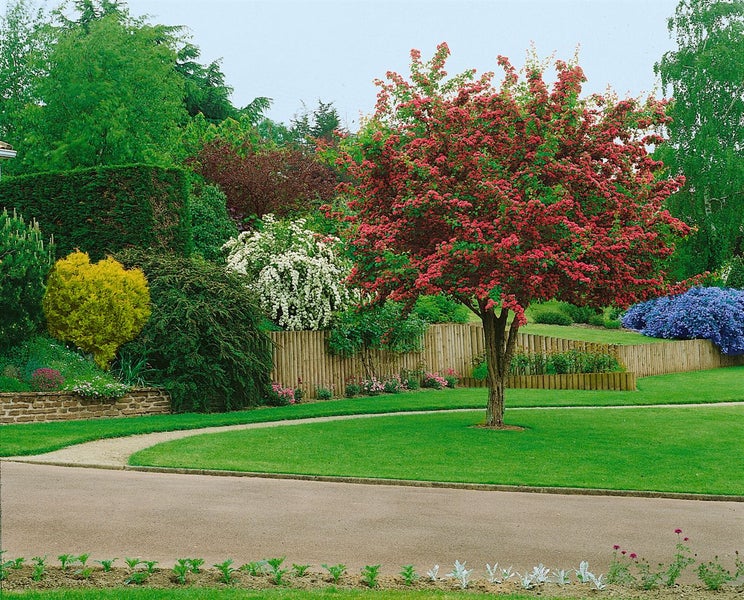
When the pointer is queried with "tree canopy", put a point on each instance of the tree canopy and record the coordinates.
(706, 133)
(501, 197)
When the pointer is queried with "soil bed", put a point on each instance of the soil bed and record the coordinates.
(56, 578)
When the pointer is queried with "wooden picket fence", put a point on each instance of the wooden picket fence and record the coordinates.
(301, 359)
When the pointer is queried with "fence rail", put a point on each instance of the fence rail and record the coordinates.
(301, 359)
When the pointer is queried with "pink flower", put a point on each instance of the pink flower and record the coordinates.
(616, 547)
(677, 531)
(633, 555)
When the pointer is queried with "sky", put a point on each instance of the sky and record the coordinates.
(296, 51)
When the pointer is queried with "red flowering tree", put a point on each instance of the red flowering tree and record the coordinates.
(501, 197)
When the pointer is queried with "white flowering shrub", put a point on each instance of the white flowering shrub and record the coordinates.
(297, 274)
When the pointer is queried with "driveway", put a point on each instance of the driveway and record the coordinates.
(52, 510)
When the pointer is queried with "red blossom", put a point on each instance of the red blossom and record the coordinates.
(501, 198)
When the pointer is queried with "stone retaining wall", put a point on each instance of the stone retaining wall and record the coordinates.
(29, 407)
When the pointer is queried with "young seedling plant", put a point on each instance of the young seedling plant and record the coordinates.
(370, 574)
(300, 570)
(335, 571)
(226, 570)
(195, 564)
(409, 575)
(276, 571)
(181, 569)
(65, 560)
(460, 573)
(39, 568)
(107, 564)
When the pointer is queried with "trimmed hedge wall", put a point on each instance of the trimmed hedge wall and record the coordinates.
(105, 209)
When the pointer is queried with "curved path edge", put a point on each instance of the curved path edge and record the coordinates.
(114, 453)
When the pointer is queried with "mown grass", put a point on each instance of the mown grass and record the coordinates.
(597, 335)
(681, 449)
(331, 593)
(717, 385)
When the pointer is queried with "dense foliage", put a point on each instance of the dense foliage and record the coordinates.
(296, 274)
(501, 197)
(25, 261)
(202, 342)
(211, 225)
(706, 133)
(279, 181)
(364, 329)
(18, 364)
(98, 307)
(711, 313)
(103, 209)
(553, 363)
(111, 96)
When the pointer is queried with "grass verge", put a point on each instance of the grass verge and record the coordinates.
(681, 449)
(717, 385)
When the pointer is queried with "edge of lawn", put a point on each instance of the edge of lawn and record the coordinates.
(33, 438)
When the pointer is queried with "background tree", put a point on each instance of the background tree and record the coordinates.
(500, 197)
(25, 261)
(111, 96)
(24, 45)
(321, 124)
(280, 181)
(205, 90)
(706, 134)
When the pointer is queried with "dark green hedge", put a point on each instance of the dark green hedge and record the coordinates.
(105, 209)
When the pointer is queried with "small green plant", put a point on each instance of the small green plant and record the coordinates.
(409, 575)
(370, 574)
(137, 578)
(4, 566)
(107, 563)
(551, 317)
(82, 559)
(254, 568)
(195, 564)
(133, 563)
(39, 568)
(619, 572)
(17, 563)
(227, 571)
(181, 569)
(323, 393)
(648, 579)
(352, 389)
(65, 560)
(300, 570)
(713, 575)
(276, 571)
(335, 571)
(84, 572)
(150, 566)
(682, 560)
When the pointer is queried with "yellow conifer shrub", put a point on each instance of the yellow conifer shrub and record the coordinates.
(97, 307)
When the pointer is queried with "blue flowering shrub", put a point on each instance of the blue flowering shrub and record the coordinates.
(710, 313)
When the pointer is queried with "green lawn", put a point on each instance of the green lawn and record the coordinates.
(681, 449)
(717, 385)
(331, 593)
(590, 334)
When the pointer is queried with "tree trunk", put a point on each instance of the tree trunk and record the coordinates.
(499, 351)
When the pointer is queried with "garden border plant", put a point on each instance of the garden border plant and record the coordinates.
(626, 572)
